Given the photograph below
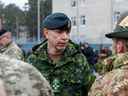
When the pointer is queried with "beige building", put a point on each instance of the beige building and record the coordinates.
(119, 7)
(91, 19)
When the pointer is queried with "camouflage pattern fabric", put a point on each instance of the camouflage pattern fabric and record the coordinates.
(99, 66)
(13, 51)
(22, 79)
(2, 88)
(113, 83)
(70, 76)
(113, 62)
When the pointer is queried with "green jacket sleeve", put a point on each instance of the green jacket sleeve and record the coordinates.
(88, 77)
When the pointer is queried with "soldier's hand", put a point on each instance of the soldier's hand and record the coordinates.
(108, 61)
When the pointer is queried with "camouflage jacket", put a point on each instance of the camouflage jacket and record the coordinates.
(70, 76)
(113, 83)
(13, 51)
(112, 62)
(22, 79)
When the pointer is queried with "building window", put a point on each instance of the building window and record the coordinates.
(116, 16)
(73, 3)
(73, 19)
(82, 20)
(82, 2)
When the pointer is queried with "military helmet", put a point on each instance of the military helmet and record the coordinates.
(121, 30)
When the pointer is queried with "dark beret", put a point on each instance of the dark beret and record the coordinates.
(56, 20)
(2, 31)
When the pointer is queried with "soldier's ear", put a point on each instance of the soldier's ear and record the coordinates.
(45, 31)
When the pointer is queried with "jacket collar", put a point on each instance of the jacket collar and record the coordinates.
(69, 52)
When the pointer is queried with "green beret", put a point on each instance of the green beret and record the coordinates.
(56, 21)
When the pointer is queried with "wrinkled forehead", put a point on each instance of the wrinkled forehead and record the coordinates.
(119, 40)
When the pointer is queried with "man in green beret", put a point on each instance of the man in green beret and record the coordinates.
(60, 60)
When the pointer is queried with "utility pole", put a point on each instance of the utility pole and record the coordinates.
(25, 9)
(0, 23)
(77, 18)
(38, 21)
(17, 28)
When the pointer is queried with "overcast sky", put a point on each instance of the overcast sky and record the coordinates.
(19, 3)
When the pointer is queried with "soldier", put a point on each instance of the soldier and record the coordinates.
(60, 60)
(120, 47)
(115, 82)
(8, 47)
(21, 79)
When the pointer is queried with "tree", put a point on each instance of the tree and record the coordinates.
(45, 9)
(1, 7)
(13, 15)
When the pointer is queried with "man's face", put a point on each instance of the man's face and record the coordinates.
(57, 39)
(5, 39)
(120, 46)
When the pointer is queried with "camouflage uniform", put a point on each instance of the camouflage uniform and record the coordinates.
(13, 51)
(99, 66)
(2, 88)
(112, 62)
(68, 77)
(22, 79)
(114, 83)
(117, 59)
